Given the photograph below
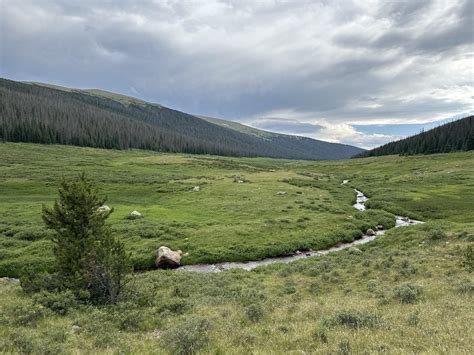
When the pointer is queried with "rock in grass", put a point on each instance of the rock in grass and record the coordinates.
(370, 232)
(167, 258)
(282, 193)
(104, 208)
(134, 215)
(196, 188)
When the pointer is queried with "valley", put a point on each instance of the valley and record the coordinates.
(409, 282)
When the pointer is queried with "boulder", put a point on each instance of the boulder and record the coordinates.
(405, 219)
(196, 188)
(282, 193)
(104, 208)
(380, 227)
(370, 232)
(134, 215)
(167, 258)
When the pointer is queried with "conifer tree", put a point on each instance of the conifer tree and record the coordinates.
(89, 260)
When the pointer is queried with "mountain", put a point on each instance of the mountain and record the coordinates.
(450, 137)
(49, 114)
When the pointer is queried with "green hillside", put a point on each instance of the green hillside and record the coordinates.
(48, 114)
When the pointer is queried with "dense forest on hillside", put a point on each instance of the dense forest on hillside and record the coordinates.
(40, 114)
(450, 137)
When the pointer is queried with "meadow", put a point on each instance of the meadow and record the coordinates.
(409, 291)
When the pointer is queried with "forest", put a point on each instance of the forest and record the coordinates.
(451, 137)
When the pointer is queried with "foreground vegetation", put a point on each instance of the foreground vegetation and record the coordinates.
(409, 291)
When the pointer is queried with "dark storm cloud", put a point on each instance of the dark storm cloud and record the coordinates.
(311, 68)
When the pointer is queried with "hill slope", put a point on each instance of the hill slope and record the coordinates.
(42, 113)
(450, 137)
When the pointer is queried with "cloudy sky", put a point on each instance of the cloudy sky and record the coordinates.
(357, 72)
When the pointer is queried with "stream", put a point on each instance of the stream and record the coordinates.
(359, 205)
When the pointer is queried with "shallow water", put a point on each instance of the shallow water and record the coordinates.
(360, 205)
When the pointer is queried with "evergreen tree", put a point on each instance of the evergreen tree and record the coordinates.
(89, 260)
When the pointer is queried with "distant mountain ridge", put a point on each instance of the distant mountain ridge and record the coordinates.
(449, 137)
(49, 114)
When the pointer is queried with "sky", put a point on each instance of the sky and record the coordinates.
(356, 72)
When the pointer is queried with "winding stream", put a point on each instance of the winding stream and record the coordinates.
(360, 205)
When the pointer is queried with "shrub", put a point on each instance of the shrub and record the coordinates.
(407, 269)
(254, 312)
(344, 348)
(355, 319)
(467, 260)
(58, 302)
(187, 337)
(436, 235)
(413, 319)
(320, 335)
(465, 286)
(28, 313)
(407, 293)
(32, 281)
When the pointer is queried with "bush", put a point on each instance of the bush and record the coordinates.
(32, 282)
(408, 293)
(344, 348)
(27, 313)
(58, 302)
(465, 286)
(254, 312)
(355, 319)
(187, 337)
(467, 260)
(436, 235)
(320, 335)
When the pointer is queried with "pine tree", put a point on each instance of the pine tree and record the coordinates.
(89, 260)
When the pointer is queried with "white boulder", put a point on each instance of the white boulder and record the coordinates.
(167, 258)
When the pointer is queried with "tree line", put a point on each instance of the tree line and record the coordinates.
(451, 137)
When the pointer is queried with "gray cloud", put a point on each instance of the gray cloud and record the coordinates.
(307, 64)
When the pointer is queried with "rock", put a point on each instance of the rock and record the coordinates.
(167, 258)
(75, 329)
(354, 250)
(282, 193)
(379, 227)
(196, 188)
(370, 232)
(240, 181)
(135, 215)
(104, 208)
(405, 219)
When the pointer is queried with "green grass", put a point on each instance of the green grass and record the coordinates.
(224, 221)
(409, 291)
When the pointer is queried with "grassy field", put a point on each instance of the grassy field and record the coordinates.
(409, 291)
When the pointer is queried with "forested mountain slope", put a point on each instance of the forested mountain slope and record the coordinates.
(40, 113)
(450, 137)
